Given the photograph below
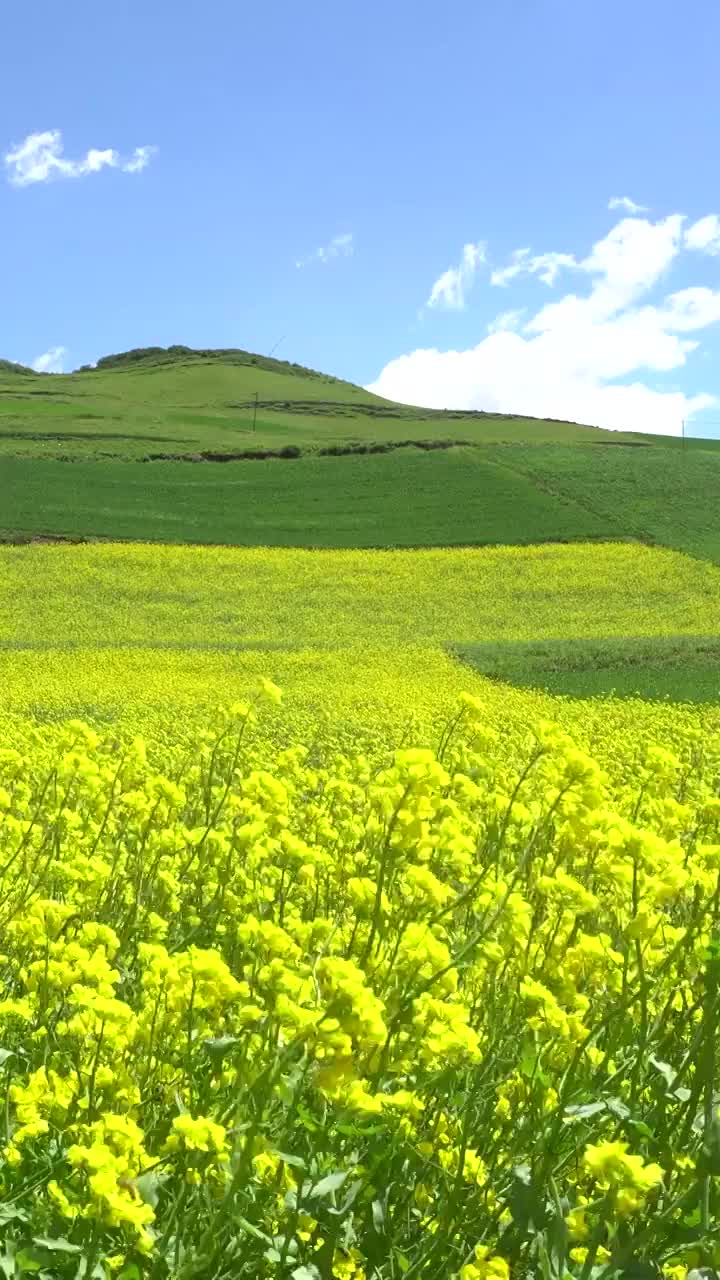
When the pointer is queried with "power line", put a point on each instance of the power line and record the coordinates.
(255, 405)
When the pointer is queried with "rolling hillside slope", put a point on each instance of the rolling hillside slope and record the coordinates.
(114, 452)
(178, 403)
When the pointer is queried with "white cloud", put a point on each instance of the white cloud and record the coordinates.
(39, 158)
(139, 159)
(518, 260)
(631, 259)
(626, 204)
(450, 288)
(339, 247)
(586, 357)
(51, 362)
(704, 234)
(506, 320)
(691, 309)
(546, 266)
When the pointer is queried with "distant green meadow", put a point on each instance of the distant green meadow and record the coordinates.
(460, 496)
(656, 668)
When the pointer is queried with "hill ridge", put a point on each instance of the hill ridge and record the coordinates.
(11, 366)
(139, 357)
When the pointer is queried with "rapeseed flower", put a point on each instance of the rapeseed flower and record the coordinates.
(345, 1000)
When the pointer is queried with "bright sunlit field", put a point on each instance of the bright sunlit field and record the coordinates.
(398, 972)
(103, 630)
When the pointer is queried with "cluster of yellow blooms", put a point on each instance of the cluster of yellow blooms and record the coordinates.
(322, 1010)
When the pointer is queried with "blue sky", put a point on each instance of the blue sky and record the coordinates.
(442, 138)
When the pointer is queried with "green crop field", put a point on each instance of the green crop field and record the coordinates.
(94, 454)
(677, 668)
(664, 494)
(408, 497)
(463, 495)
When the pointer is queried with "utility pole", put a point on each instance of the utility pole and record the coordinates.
(255, 411)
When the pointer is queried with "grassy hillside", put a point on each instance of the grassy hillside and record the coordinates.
(665, 494)
(467, 495)
(406, 498)
(179, 402)
(115, 452)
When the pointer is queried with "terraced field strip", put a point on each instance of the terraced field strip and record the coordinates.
(105, 628)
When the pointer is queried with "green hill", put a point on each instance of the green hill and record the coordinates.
(179, 402)
(108, 452)
(10, 367)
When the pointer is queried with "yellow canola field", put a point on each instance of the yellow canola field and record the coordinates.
(326, 1013)
(419, 975)
(158, 637)
(267, 599)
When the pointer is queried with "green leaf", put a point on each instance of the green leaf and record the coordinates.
(547, 1270)
(297, 1161)
(5, 1054)
(56, 1244)
(306, 1119)
(522, 1202)
(711, 1149)
(351, 1195)
(403, 1262)
(667, 1072)
(130, 1272)
(585, 1110)
(252, 1230)
(285, 1245)
(98, 1272)
(327, 1185)
(637, 1269)
(358, 1130)
(13, 1213)
(618, 1108)
(642, 1129)
(528, 1058)
(29, 1260)
(378, 1215)
(221, 1045)
(306, 1273)
(149, 1186)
